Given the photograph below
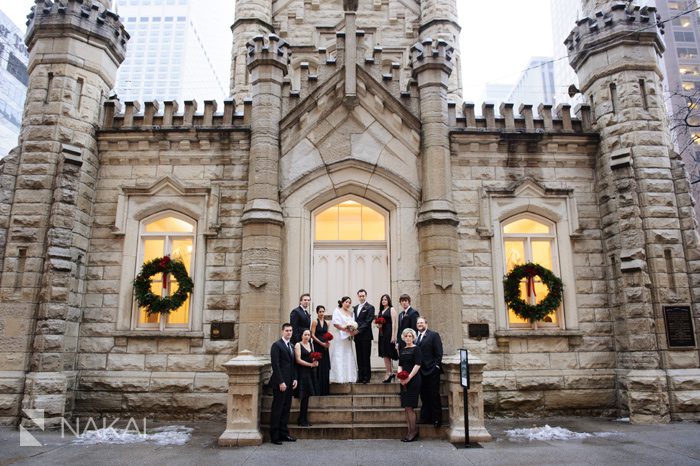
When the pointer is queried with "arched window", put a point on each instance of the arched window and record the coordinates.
(350, 221)
(530, 238)
(172, 234)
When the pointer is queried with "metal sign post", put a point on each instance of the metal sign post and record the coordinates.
(464, 379)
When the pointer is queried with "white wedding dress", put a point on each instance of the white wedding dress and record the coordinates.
(343, 364)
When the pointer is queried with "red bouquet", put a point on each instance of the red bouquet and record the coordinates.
(379, 322)
(403, 375)
(328, 336)
(316, 356)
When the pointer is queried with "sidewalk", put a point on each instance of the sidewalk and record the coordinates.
(617, 443)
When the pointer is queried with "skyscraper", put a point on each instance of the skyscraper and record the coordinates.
(13, 82)
(536, 83)
(171, 53)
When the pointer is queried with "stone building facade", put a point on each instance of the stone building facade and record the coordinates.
(345, 149)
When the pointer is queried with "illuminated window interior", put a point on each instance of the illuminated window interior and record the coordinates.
(172, 236)
(529, 239)
(350, 221)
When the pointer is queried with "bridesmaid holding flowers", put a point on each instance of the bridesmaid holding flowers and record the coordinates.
(322, 341)
(307, 361)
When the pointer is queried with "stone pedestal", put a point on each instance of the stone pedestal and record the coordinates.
(455, 400)
(246, 374)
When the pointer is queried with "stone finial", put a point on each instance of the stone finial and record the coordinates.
(430, 54)
(506, 111)
(269, 49)
(525, 111)
(350, 5)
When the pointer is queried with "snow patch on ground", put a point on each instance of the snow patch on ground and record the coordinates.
(168, 435)
(552, 433)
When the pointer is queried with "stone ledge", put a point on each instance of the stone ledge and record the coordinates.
(157, 334)
(503, 337)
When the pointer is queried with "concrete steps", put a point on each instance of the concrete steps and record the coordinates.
(354, 411)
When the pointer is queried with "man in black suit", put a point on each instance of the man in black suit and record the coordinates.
(364, 316)
(300, 317)
(430, 344)
(283, 381)
(408, 318)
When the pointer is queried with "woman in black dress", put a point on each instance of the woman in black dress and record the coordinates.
(387, 336)
(306, 386)
(410, 360)
(319, 327)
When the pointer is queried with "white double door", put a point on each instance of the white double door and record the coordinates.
(341, 272)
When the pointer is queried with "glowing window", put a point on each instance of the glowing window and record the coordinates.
(350, 221)
(527, 238)
(170, 234)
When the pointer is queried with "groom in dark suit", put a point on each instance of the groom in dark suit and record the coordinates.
(364, 316)
(408, 318)
(300, 317)
(283, 381)
(430, 344)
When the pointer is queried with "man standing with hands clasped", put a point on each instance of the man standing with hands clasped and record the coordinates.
(431, 346)
(364, 316)
(283, 381)
(300, 318)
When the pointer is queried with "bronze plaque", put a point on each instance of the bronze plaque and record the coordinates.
(679, 326)
(478, 330)
(221, 331)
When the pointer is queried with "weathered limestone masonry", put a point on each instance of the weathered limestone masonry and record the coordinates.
(261, 273)
(650, 252)
(75, 49)
(437, 219)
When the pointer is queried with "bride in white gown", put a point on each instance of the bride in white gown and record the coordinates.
(343, 365)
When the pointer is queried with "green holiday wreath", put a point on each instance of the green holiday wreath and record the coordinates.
(153, 303)
(511, 291)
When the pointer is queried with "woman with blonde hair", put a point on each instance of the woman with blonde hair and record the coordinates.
(410, 360)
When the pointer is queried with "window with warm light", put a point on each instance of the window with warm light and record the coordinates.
(167, 234)
(350, 221)
(528, 238)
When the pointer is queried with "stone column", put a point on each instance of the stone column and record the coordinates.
(75, 50)
(253, 18)
(246, 375)
(475, 397)
(616, 54)
(439, 20)
(261, 271)
(441, 298)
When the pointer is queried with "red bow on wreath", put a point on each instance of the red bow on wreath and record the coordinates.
(163, 264)
(531, 274)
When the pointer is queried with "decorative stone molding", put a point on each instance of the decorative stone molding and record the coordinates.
(504, 337)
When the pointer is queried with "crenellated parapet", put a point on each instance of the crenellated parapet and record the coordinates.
(544, 118)
(152, 116)
(268, 50)
(90, 21)
(612, 27)
(433, 55)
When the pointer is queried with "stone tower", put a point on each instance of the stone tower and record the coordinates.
(648, 222)
(75, 49)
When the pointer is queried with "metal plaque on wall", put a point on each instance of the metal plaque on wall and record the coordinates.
(679, 326)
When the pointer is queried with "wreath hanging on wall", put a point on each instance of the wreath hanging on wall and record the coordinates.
(521, 308)
(153, 303)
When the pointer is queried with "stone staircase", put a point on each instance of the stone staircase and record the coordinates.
(354, 411)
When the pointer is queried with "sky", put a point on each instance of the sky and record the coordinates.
(495, 46)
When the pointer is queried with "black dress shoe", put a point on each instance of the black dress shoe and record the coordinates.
(389, 379)
(289, 438)
(304, 424)
(437, 424)
(276, 442)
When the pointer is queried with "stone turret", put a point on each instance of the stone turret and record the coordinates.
(439, 20)
(646, 213)
(261, 272)
(75, 49)
(253, 18)
(437, 219)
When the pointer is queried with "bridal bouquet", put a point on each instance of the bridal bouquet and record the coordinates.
(316, 356)
(351, 326)
(379, 322)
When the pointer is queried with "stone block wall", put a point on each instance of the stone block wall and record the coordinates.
(544, 371)
(170, 374)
